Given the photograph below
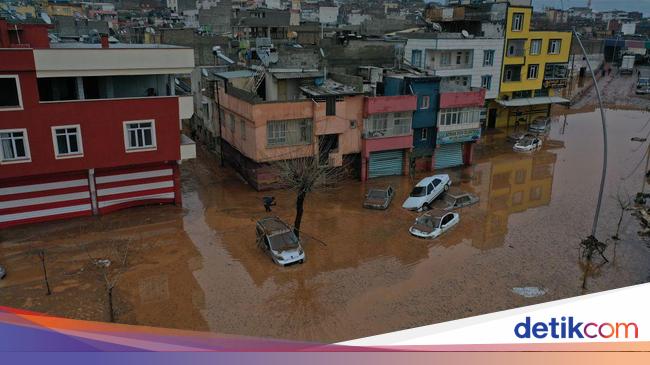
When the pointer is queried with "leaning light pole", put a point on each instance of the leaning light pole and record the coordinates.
(591, 245)
(602, 116)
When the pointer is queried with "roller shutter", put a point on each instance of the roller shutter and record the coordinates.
(449, 155)
(386, 163)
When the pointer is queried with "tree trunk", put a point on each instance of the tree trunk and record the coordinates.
(618, 225)
(111, 314)
(47, 282)
(300, 201)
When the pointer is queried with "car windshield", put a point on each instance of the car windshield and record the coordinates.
(419, 191)
(526, 142)
(283, 241)
(429, 221)
(377, 194)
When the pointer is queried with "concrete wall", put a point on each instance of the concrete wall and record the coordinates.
(201, 44)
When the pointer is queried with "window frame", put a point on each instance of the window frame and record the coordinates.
(559, 46)
(55, 142)
(18, 90)
(488, 57)
(28, 154)
(520, 17)
(154, 141)
(539, 49)
(530, 68)
(425, 102)
(489, 82)
(424, 135)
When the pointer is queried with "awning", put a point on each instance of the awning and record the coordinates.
(540, 100)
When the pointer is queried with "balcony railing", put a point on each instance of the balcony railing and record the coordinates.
(398, 130)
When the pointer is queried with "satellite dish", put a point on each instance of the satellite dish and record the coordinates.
(464, 33)
(204, 72)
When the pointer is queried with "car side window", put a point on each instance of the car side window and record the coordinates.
(446, 219)
(429, 188)
(436, 182)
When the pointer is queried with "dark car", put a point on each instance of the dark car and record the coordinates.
(379, 198)
(455, 199)
(279, 241)
(3, 272)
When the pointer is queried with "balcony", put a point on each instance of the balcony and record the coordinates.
(472, 97)
(389, 104)
(395, 130)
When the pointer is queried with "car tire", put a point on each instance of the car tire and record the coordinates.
(302, 261)
(446, 187)
(426, 206)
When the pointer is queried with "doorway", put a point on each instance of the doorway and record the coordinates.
(327, 143)
(492, 118)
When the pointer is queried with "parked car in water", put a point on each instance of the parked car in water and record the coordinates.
(528, 145)
(426, 191)
(516, 136)
(379, 198)
(3, 272)
(279, 241)
(540, 126)
(434, 223)
(643, 86)
(454, 199)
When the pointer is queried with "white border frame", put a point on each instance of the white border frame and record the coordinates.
(55, 143)
(140, 149)
(20, 94)
(18, 160)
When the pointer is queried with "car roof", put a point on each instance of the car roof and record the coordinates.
(273, 225)
(428, 179)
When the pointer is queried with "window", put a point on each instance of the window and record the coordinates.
(416, 58)
(459, 57)
(535, 47)
(554, 46)
(288, 132)
(445, 59)
(486, 82)
(423, 135)
(488, 58)
(140, 135)
(517, 22)
(424, 102)
(231, 122)
(242, 124)
(15, 147)
(67, 141)
(515, 48)
(512, 73)
(388, 124)
(456, 116)
(10, 98)
(330, 105)
(532, 71)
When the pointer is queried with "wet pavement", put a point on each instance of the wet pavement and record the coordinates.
(198, 267)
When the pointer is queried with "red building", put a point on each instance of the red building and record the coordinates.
(87, 128)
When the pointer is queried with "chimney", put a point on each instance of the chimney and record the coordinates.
(104, 39)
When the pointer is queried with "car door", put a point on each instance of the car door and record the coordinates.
(430, 193)
(445, 223)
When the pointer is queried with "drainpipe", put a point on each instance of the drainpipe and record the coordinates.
(93, 191)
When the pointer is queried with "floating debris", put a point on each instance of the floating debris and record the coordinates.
(529, 291)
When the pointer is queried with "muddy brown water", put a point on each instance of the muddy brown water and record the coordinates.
(198, 267)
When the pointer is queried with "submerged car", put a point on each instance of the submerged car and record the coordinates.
(517, 136)
(528, 145)
(379, 198)
(434, 223)
(540, 126)
(643, 86)
(279, 241)
(455, 199)
(426, 191)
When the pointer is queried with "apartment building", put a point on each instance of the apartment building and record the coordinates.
(87, 128)
(535, 65)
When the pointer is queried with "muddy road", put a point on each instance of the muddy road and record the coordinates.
(197, 267)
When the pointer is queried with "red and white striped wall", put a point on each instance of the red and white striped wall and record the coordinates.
(44, 198)
(126, 187)
(39, 199)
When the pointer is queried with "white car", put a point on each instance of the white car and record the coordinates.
(528, 145)
(426, 191)
(279, 241)
(433, 224)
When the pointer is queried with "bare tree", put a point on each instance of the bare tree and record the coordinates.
(41, 254)
(624, 202)
(588, 248)
(304, 175)
(109, 265)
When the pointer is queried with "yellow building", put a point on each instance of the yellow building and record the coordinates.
(64, 9)
(535, 66)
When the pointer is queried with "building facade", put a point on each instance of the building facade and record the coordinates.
(535, 65)
(87, 129)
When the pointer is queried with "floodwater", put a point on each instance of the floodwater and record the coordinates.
(198, 267)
